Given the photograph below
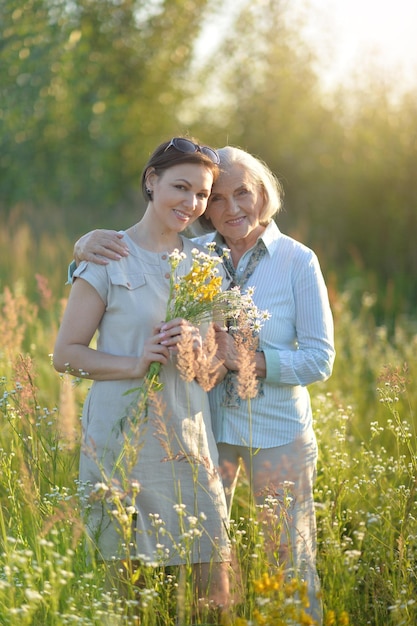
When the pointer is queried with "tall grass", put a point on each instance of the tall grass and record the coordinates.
(365, 493)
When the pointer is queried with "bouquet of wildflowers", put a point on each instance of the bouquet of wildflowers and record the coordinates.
(197, 297)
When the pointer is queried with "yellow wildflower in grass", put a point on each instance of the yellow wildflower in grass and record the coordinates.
(268, 583)
(343, 619)
(280, 601)
(240, 621)
(306, 619)
(259, 618)
(330, 618)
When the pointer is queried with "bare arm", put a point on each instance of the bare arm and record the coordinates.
(98, 246)
(72, 353)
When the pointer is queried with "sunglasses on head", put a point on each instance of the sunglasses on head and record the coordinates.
(188, 146)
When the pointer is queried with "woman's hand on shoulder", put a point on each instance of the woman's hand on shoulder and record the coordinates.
(100, 245)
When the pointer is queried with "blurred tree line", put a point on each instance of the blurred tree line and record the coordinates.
(89, 87)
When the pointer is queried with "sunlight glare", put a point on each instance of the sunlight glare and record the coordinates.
(348, 33)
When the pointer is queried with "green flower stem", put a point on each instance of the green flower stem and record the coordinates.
(152, 377)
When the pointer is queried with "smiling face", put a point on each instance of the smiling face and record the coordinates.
(180, 194)
(235, 207)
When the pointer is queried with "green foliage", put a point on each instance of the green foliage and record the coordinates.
(346, 162)
(89, 87)
(86, 88)
(366, 489)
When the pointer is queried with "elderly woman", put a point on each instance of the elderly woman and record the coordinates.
(277, 446)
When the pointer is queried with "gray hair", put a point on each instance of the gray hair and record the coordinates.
(261, 175)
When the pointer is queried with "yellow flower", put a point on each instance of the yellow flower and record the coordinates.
(343, 619)
(197, 297)
(306, 619)
(330, 618)
(261, 586)
(291, 588)
(260, 619)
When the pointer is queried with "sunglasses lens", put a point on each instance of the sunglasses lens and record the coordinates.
(184, 145)
(212, 154)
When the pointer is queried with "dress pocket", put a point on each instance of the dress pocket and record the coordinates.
(130, 281)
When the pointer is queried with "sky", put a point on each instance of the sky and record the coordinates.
(347, 34)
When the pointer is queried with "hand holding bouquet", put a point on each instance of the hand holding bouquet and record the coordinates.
(198, 297)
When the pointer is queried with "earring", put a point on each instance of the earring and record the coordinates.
(148, 193)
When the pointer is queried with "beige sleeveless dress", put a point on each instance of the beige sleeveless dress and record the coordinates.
(152, 489)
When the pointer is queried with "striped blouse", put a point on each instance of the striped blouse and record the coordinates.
(297, 342)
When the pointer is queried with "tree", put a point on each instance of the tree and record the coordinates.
(267, 99)
(347, 163)
(88, 88)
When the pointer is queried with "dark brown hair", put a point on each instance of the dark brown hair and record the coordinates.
(163, 158)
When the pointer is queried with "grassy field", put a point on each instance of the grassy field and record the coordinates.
(366, 488)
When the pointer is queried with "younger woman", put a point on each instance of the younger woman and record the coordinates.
(152, 487)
